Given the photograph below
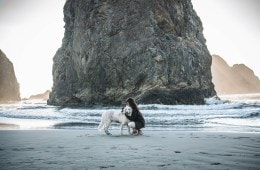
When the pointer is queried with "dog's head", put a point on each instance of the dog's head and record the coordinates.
(127, 110)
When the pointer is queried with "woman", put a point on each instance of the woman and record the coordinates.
(137, 119)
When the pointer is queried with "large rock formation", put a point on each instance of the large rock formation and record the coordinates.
(148, 49)
(9, 87)
(237, 79)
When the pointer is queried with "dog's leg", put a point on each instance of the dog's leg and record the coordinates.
(129, 130)
(121, 128)
(107, 132)
(106, 129)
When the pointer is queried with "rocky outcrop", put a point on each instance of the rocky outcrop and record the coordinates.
(148, 49)
(9, 87)
(43, 96)
(237, 79)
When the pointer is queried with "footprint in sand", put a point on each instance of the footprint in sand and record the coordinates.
(113, 147)
(163, 165)
(109, 166)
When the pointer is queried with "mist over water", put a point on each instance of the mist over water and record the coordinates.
(236, 113)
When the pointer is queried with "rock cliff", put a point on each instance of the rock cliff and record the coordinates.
(237, 79)
(9, 87)
(148, 49)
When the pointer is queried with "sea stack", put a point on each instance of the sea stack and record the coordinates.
(151, 50)
(9, 87)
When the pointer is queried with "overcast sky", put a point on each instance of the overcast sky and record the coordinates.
(31, 31)
(232, 29)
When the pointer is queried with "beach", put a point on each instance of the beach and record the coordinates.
(90, 149)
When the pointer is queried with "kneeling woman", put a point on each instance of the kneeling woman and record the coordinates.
(137, 119)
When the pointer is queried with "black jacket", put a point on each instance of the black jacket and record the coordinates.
(138, 118)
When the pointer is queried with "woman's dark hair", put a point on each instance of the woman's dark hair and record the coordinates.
(132, 103)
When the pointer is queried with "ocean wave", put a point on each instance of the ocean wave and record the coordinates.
(32, 117)
(157, 116)
(75, 124)
(174, 122)
(215, 100)
(223, 106)
(250, 115)
(32, 108)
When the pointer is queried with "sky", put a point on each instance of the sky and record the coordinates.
(232, 30)
(31, 31)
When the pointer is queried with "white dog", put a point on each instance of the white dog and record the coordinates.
(115, 116)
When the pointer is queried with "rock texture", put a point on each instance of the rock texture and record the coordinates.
(148, 49)
(237, 79)
(9, 87)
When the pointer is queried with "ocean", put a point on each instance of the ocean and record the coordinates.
(233, 113)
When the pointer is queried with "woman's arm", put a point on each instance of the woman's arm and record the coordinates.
(133, 116)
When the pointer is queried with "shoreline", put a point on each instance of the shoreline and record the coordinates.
(116, 128)
(90, 149)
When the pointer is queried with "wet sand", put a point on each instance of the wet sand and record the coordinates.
(90, 149)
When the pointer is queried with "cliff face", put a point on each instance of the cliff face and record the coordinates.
(9, 87)
(237, 79)
(148, 49)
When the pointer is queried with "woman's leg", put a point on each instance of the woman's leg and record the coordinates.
(132, 125)
(136, 127)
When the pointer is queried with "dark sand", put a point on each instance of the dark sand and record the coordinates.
(90, 149)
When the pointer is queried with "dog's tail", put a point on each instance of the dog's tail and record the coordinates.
(102, 124)
(105, 121)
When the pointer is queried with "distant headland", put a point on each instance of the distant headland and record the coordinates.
(236, 79)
